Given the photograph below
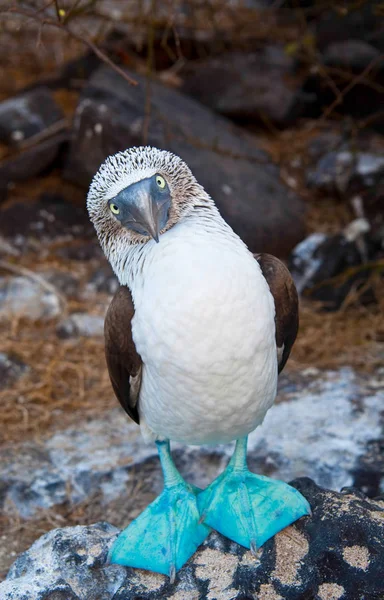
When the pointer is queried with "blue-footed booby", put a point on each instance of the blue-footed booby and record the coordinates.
(195, 338)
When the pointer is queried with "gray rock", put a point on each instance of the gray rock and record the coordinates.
(30, 162)
(304, 261)
(327, 425)
(28, 115)
(81, 251)
(318, 260)
(350, 54)
(81, 324)
(336, 26)
(255, 86)
(22, 297)
(336, 553)
(33, 124)
(245, 184)
(66, 564)
(66, 283)
(339, 169)
(11, 369)
(34, 225)
(354, 171)
(103, 279)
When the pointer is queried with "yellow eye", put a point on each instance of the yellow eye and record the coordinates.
(160, 181)
(115, 209)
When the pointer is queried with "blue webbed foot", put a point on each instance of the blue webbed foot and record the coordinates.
(166, 534)
(247, 508)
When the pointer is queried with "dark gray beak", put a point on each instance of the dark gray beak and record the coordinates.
(143, 207)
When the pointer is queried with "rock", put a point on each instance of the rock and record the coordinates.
(335, 553)
(103, 279)
(353, 171)
(255, 87)
(348, 44)
(64, 282)
(334, 265)
(340, 170)
(359, 23)
(350, 54)
(316, 262)
(30, 162)
(21, 297)
(73, 564)
(29, 226)
(350, 41)
(33, 124)
(244, 183)
(81, 251)
(328, 426)
(28, 115)
(11, 369)
(305, 262)
(81, 324)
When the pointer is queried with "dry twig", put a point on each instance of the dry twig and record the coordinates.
(43, 20)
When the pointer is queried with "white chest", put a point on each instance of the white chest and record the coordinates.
(204, 327)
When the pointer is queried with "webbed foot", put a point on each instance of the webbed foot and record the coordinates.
(247, 508)
(166, 534)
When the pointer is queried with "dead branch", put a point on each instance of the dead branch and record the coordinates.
(43, 20)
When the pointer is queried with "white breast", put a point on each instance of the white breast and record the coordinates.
(204, 327)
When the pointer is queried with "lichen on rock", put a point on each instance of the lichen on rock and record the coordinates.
(319, 557)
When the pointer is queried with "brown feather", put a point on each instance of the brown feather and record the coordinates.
(124, 363)
(286, 300)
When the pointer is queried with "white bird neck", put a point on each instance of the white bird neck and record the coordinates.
(202, 223)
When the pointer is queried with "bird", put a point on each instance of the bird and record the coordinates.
(195, 338)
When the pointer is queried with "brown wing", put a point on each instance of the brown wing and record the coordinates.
(124, 363)
(284, 293)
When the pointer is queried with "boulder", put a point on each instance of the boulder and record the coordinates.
(30, 162)
(34, 128)
(103, 280)
(327, 267)
(33, 225)
(112, 116)
(350, 54)
(22, 297)
(81, 324)
(347, 170)
(359, 23)
(354, 171)
(34, 113)
(256, 87)
(348, 43)
(336, 553)
(315, 429)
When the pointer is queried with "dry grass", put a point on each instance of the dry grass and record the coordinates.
(352, 336)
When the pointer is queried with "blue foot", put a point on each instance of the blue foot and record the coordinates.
(166, 534)
(247, 508)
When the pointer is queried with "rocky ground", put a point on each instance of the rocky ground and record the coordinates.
(293, 178)
(335, 553)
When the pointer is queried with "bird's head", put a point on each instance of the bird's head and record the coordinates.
(139, 194)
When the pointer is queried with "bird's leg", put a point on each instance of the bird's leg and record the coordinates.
(247, 508)
(166, 534)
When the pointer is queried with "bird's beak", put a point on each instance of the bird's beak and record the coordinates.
(142, 210)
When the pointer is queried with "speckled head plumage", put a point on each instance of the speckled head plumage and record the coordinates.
(122, 171)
